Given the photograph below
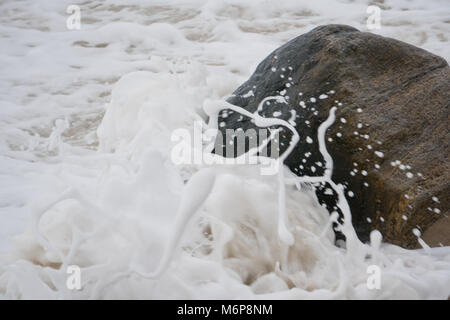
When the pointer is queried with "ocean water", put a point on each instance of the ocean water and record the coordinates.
(86, 177)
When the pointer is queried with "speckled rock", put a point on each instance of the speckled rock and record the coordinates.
(390, 140)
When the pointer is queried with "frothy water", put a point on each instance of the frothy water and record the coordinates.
(99, 190)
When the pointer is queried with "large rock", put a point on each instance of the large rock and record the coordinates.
(392, 125)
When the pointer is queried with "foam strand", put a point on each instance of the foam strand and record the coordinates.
(342, 203)
(284, 234)
(78, 237)
(194, 195)
(37, 215)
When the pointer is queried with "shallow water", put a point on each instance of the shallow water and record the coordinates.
(81, 187)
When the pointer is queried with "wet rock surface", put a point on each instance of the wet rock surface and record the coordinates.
(390, 140)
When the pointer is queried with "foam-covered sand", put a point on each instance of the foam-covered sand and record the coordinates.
(79, 186)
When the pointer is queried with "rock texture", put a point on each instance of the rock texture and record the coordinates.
(391, 128)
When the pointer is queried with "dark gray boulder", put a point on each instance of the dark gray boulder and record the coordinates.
(390, 138)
